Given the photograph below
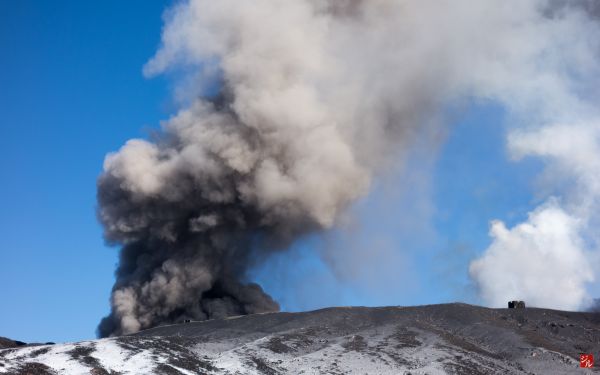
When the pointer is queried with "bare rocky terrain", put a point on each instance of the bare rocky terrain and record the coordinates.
(8, 343)
(434, 339)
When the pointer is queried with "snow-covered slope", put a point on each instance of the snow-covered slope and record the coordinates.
(436, 339)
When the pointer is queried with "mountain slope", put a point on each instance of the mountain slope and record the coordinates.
(435, 339)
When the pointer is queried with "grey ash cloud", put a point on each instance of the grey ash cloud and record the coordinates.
(318, 97)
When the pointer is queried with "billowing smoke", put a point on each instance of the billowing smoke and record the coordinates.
(549, 259)
(541, 260)
(552, 257)
(316, 98)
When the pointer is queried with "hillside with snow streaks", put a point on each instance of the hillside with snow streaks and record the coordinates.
(435, 339)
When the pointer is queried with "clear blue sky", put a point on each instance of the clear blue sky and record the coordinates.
(71, 90)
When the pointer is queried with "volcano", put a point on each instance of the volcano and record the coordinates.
(434, 339)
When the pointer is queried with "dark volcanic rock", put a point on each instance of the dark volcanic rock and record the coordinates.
(8, 343)
(33, 368)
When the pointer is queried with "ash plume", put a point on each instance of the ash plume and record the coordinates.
(317, 98)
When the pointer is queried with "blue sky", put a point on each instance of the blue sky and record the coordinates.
(72, 89)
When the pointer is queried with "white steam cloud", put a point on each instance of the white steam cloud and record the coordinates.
(541, 261)
(551, 258)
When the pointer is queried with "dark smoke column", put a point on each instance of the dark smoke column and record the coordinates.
(228, 180)
(187, 240)
(192, 212)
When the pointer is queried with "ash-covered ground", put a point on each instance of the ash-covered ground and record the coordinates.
(434, 339)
